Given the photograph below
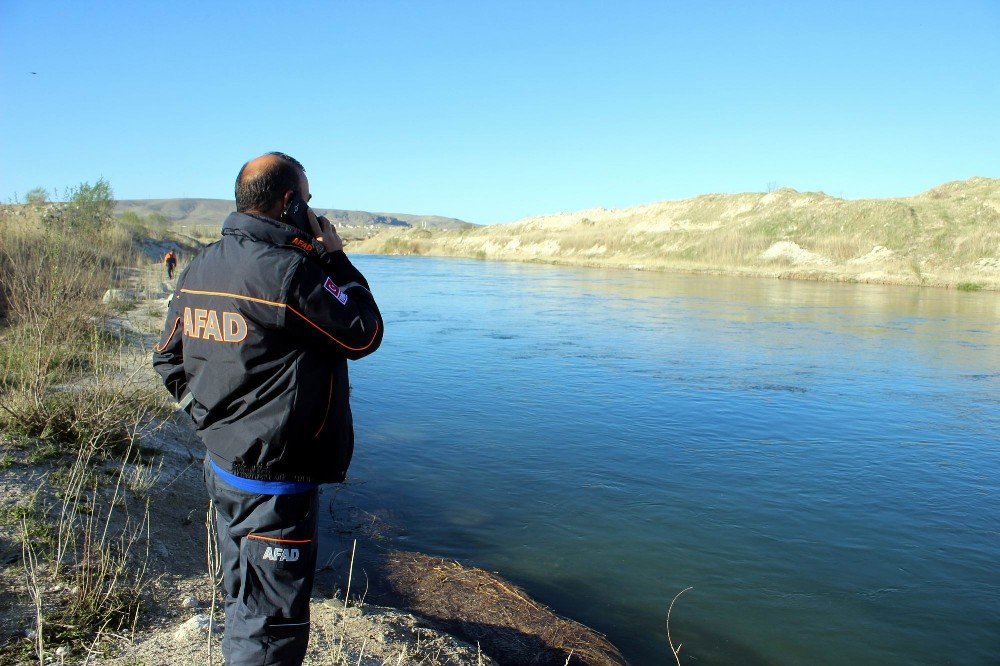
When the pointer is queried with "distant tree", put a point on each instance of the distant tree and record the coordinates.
(772, 186)
(154, 224)
(37, 196)
(131, 219)
(158, 224)
(92, 205)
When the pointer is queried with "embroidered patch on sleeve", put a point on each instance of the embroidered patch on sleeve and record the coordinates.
(335, 290)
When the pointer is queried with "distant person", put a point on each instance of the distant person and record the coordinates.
(256, 345)
(170, 261)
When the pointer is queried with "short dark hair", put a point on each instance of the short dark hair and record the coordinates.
(261, 189)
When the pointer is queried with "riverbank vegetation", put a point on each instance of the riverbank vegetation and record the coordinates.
(947, 236)
(72, 414)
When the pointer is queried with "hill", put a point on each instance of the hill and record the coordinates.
(211, 212)
(946, 236)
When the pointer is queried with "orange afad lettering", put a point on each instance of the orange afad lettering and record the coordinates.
(209, 325)
(301, 243)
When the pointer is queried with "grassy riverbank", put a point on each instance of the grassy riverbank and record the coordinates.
(102, 504)
(948, 236)
(72, 419)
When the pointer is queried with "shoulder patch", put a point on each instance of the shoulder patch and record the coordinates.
(335, 290)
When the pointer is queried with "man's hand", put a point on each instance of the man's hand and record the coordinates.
(325, 233)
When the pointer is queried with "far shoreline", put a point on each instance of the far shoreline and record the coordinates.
(790, 275)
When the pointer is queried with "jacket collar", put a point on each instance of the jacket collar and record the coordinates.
(260, 228)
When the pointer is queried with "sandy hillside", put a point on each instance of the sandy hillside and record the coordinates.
(946, 236)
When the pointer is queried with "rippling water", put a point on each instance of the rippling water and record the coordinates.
(819, 461)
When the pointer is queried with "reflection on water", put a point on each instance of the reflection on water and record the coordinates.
(818, 460)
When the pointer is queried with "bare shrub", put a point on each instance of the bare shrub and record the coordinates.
(54, 268)
(87, 583)
(70, 394)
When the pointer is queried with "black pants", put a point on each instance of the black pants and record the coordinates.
(267, 544)
(170, 271)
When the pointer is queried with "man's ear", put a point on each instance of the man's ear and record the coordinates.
(287, 199)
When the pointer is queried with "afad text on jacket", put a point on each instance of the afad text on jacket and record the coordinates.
(259, 332)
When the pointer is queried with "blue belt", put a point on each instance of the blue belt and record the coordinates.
(263, 487)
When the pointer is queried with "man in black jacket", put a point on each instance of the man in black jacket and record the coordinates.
(255, 346)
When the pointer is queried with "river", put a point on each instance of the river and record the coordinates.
(819, 461)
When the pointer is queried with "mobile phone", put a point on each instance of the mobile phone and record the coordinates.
(296, 213)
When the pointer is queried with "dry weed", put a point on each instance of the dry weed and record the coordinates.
(485, 609)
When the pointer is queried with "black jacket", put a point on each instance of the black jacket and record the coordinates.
(258, 332)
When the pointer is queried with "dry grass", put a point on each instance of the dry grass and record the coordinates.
(63, 376)
(72, 402)
(676, 651)
(203, 233)
(486, 610)
(87, 584)
(939, 237)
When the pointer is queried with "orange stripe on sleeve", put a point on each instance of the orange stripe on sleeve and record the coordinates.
(230, 295)
(321, 330)
(160, 348)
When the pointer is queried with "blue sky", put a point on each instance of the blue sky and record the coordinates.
(490, 111)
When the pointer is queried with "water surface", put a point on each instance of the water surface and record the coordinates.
(819, 461)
